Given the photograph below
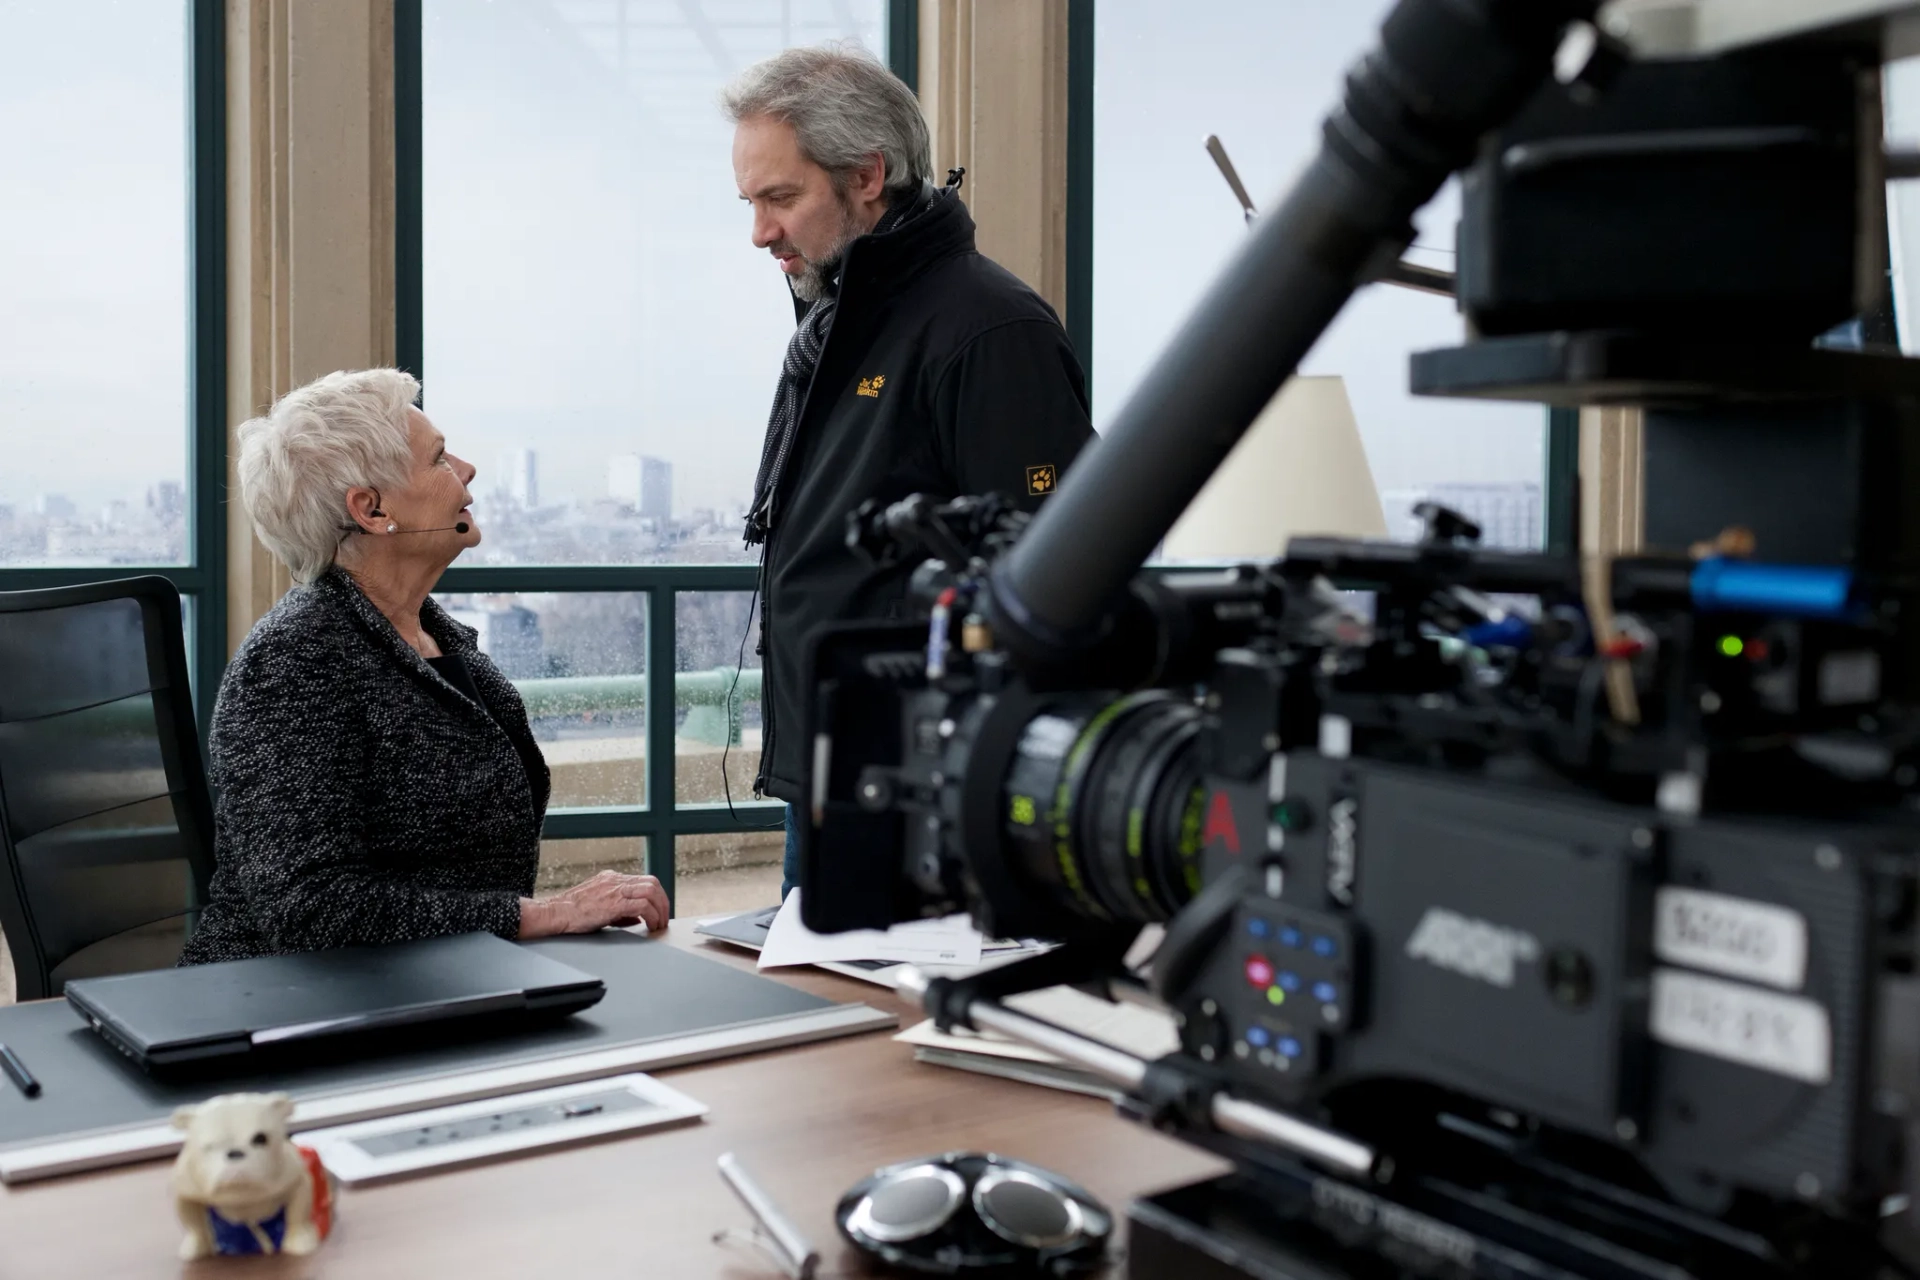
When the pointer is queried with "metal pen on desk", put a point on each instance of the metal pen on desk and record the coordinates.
(781, 1237)
(17, 1072)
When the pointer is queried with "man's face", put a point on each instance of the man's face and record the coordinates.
(798, 215)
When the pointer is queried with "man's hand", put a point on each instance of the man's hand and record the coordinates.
(608, 898)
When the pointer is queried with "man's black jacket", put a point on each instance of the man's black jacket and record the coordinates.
(942, 374)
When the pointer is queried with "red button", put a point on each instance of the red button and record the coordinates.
(1259, 971)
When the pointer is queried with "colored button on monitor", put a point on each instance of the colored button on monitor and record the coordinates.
(1259, 1037)
(1324, 947)
(1289, 1047)
(1325, 993)
(1289, 936)
(1259, 971)
(1258, 927)
(1289, 981)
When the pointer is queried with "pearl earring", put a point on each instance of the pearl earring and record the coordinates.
(393, 528)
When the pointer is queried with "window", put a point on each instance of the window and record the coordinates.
(595, 333)
(112, 431)
(599, 335)
(1263, 74)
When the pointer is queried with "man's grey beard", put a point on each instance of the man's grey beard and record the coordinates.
(816, 279)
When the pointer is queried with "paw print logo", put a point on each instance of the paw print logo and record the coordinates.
(871, 386)
(1040, 479)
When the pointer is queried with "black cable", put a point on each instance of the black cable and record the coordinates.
(740, 659)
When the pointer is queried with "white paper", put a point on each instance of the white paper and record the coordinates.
(950, 941)
(1137, 1029)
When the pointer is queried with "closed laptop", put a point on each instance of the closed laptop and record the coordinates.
(221, 1015)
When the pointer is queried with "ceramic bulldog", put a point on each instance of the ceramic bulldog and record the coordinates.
(240, 1183)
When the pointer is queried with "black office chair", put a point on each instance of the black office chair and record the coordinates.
(106, 825)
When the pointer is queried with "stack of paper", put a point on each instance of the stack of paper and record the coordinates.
(1144, 1032)
(949, 941)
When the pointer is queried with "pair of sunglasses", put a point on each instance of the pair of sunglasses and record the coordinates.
(971, 1211)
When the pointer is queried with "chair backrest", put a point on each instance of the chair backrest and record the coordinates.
(106, 825)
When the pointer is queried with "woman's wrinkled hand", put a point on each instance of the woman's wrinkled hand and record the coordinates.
(609, 898)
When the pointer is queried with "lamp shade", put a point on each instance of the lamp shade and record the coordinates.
(1300, 469)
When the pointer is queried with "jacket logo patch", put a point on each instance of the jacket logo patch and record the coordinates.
(871, 386)
(1040, 479)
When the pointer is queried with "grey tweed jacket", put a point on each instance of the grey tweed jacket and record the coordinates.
(360, 797)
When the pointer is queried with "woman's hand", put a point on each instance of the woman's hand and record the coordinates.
(608, 898)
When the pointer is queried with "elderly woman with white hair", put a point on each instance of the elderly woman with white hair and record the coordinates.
(376, 779)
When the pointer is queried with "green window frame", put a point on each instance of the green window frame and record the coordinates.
(202, 580)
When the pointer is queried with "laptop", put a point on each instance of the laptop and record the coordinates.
(355, 999)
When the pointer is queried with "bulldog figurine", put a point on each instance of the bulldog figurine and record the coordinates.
(241, 1185)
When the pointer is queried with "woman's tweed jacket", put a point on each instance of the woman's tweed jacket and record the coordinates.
(359, 797)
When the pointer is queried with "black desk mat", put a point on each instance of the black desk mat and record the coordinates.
(654, 991)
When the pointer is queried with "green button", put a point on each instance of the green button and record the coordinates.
(1290, 815)
(1276, 996)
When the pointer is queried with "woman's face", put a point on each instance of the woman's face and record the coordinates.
(435, 497)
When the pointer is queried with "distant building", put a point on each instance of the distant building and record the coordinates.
(114, 515)
(642, 484)
(54, 506)
(167, 501)
(656, 491)
(1511, 516)
(519, 477)
(510, 635)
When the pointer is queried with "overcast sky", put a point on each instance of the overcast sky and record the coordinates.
(93, 227)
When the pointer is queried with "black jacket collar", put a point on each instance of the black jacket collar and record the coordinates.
(877, 267)
(338, 586)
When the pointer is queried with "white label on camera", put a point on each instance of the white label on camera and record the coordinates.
(1735, 936)
(1784, 1035)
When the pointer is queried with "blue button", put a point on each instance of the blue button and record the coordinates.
(1289, 1047)
(1258, 1037)
(1257, 927)
(1324, 947)
(1289, 982)
(1324, 992)
(1289, 936)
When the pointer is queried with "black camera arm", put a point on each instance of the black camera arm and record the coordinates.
(1446, 72)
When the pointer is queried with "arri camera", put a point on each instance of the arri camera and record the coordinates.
(1527, 914)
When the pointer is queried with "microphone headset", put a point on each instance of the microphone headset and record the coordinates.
(458, 526)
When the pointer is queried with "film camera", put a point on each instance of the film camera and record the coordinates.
(1526, 914)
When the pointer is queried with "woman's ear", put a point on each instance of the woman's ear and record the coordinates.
(363, 507)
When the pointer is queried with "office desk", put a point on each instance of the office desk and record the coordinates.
(807, 1122)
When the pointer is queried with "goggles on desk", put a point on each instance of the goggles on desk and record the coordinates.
(970, 1211)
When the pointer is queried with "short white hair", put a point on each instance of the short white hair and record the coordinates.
(297, 461)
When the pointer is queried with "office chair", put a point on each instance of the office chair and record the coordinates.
(106, 824)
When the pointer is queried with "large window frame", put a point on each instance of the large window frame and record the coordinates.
(660, 819)
(1561, 483)
(202, 579)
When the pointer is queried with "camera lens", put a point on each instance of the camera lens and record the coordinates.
(1104, 805)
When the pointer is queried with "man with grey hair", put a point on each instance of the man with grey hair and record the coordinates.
(917, 366)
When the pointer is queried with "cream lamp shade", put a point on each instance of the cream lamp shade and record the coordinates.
(1300, 469)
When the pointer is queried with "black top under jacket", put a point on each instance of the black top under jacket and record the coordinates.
(943, 374)
(361, 797)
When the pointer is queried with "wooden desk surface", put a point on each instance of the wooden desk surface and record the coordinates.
(807, 1122)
